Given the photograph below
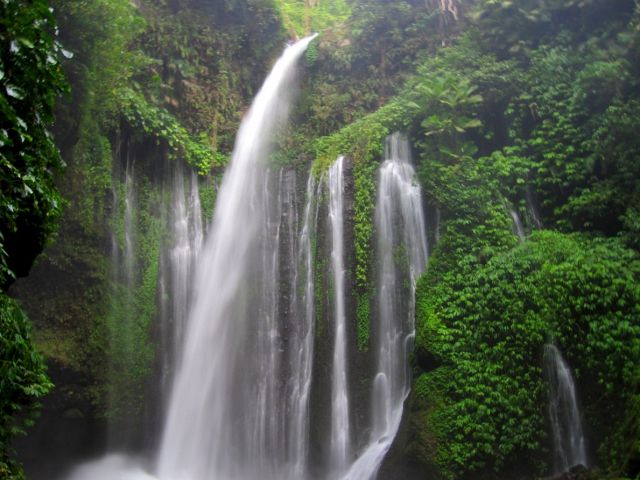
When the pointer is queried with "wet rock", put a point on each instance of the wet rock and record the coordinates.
(579, 472)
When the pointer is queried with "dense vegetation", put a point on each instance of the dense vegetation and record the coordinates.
(30, 81)
(530, 108)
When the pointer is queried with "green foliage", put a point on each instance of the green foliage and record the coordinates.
(302, 17)
(363, 319)
(133, 306)
(30, 82)
(23, 380)
(487, 326)
(363, 143)
(100, 34)
(208, 194)
(157, 122)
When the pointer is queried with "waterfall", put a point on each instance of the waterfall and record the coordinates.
(301, 342)
(438, 221)
(531, 208)
(129, 232)
(340, 436)
(176, 270)
(121, 433)
(517, 224)
(219, 423)
(402, 256)
(564, 415)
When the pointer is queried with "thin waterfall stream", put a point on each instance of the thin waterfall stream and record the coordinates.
(176, 271)
(564, 413)
(340, 430)
(402, 256)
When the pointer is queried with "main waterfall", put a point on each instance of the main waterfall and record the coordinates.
(223, 422)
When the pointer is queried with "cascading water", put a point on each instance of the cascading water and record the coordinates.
(517, 224)
(564, 415)
(402, 256)
(220, 423)
(121, 328)
(301, 339)
(340, 435)
(177, 267)
(531, 208)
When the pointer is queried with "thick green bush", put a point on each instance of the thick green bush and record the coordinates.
(481, 334)
(23, 380)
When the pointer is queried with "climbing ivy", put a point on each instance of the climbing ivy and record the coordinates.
(302, 17)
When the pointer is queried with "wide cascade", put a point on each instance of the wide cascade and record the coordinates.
(564, 414)
(226, 418)
(402, 257)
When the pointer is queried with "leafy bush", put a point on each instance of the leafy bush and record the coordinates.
(30, 82)
(23, 380)
(481, 334)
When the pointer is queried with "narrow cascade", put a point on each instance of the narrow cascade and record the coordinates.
(517, 224)
(226, 408)
(531, 208)
(438, 221)
(122, 310)
(402, 256)
(301, 338)
(564, 415)
(129, 229)
(340, 435)
(177, 267)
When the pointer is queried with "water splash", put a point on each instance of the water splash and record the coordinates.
(111, 467)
